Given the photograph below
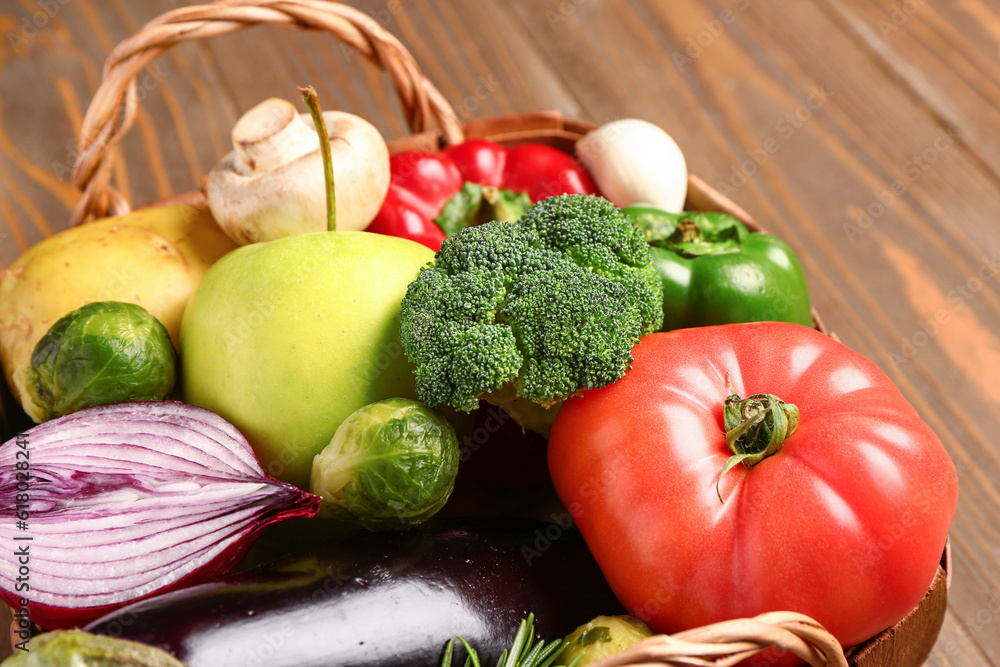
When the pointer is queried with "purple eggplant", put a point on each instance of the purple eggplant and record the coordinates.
(381, 599)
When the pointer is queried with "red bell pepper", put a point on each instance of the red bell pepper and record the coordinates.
(432, 196)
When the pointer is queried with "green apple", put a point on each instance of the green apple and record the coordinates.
(287, 338)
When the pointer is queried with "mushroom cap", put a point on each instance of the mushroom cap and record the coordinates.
(272, 184)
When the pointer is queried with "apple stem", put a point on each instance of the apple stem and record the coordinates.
(311, 99)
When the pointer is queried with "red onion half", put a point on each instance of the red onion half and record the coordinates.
(129, 500)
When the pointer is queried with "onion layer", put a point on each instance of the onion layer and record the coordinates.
(115, 503)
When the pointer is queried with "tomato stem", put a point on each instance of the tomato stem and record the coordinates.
(756, 427)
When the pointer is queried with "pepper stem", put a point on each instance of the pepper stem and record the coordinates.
(687, 231)
(311, 99)
(756, 427)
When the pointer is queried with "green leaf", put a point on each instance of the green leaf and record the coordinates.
(689, 234)
(473, 658)
(449, 653)
(594, 635)
(460, 211)
(523, 652)
(503, 205)
(477, 204)
(756, 428)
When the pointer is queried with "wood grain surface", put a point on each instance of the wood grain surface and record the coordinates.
(863, 132)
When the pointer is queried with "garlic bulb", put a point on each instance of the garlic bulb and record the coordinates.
(636, 162)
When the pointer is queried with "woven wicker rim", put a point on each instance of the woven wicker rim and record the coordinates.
(113, 109)
(729, 643)
(112, 113)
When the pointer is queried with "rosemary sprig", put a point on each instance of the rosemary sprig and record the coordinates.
(523, 652)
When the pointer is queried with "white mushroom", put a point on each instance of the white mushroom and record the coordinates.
(272, 184)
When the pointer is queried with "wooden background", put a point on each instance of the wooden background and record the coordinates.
(864, 132)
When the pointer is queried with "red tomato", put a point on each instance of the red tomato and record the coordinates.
(845, 523)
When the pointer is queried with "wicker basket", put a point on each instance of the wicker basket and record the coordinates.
(434, 124)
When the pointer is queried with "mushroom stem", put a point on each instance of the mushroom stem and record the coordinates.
(311, 99)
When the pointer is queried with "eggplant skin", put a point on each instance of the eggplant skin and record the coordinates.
(383, 599)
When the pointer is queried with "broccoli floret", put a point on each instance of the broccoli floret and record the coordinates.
(583, 342)
(538, 309)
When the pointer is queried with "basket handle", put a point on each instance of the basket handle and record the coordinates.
(729, 643)
(113, 109)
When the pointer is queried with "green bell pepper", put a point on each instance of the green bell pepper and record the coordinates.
(714, 271)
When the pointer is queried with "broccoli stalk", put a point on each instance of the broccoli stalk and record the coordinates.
(526, 314)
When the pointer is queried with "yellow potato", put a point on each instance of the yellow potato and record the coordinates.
(152, 257)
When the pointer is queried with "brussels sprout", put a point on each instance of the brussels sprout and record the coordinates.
(603, 636)
(391, 465)
(102, 353)
(82, 649)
